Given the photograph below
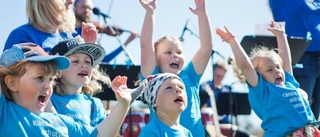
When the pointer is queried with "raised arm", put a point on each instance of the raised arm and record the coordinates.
(202, 56)
(283, 45)
(240, 56)
(111, 125)
(148, 57)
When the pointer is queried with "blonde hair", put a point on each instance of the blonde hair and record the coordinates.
(222, 64)
(50, 15)
(98, 80)
(169, 38)
(18, 69)
(257, 53)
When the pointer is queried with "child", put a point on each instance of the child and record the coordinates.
(273, 92)
(27, 74)
(167, 56)
(165, 93)
(72, 94)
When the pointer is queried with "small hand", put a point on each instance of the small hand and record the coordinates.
(149, 5)
(276, 28)
(200, 7)
(119, 86)
(225, 35)
(89, 32)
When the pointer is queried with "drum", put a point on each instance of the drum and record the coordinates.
(134, 122)
(207, 116)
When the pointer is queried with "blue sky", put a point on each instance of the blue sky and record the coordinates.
(240, 16)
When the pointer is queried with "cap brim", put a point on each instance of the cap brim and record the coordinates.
(62, 62)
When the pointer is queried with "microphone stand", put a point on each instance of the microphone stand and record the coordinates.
(122, 45)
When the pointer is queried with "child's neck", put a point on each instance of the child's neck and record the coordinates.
(169, 119)
(72, 90)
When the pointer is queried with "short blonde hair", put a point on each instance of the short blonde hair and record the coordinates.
(50, 15)
(221, 64)
(169, 38)
(257, 53)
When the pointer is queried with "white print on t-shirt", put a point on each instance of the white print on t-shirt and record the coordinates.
(294, 98)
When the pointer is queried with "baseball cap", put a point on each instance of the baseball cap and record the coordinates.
(31, 52)
(152, 85)
(77, 45)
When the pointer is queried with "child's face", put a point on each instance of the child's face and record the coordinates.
(79, 73)
(171, 97)
(33, 89)
(271, 70)
(170, 57)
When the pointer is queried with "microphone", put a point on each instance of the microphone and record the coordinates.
(96, 11)
(184, 29)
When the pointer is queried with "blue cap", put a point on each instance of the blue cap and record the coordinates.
(31, 52)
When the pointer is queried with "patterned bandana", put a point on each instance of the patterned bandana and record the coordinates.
(152, 85)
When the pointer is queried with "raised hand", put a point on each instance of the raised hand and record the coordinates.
(224, 35)
(200, 7)
(89, 32)
(119, 87)
(149, 4)
(276, 28)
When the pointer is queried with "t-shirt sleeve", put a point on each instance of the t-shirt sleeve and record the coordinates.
(15, 37)
(101, 112)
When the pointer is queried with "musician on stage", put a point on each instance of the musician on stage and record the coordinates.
(83, 11)
(219, 70)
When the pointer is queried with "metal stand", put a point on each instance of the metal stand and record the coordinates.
(120, 42)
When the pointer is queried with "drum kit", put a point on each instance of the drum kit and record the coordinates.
(134, 122)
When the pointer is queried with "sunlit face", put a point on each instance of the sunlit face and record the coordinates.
(83, 10)
(271, 70)
(218, 75)
(78, 75)
(171, 97)
(170, 57)
(33, 89)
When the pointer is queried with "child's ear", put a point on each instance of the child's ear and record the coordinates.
(155, 105)
(11, 83)
(59, 74)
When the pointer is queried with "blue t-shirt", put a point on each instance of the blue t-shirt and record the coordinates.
(300, 17)
(17, 121)
(81, 107)
(283, 110)
(27, 33)
(156, 128)
(190, 118)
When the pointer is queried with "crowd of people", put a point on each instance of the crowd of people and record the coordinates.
(49, 72)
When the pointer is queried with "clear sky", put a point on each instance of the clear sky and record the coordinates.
(240, 16)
